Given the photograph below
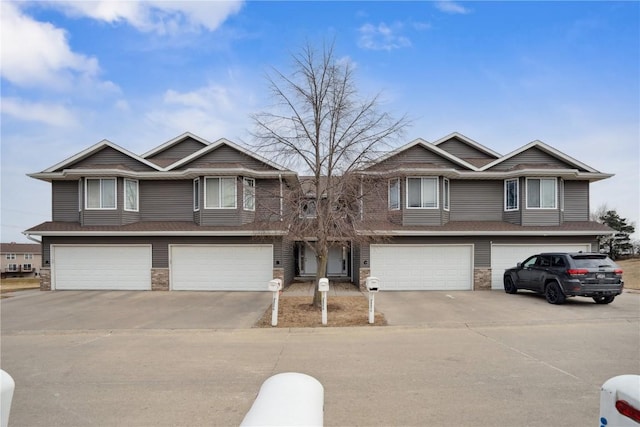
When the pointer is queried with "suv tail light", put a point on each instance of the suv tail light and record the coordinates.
(577, 271)
(617, 272)
(627, 410)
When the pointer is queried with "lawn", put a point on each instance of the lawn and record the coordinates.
(631, 275)
(17, 284)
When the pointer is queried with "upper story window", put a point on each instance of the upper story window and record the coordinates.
(220, 193)
(28, 256)
(445, 194)
(100, 193)
(422, 193)
(308, 208)
(511, 194)
(196, 194)
(394, 194)
(541, 193)
(10, 256)
(249, 194)
(131, 199)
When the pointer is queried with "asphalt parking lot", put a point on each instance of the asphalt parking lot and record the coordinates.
(447, 358)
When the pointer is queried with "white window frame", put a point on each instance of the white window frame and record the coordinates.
(24, 267)
(101, 208)
(394, 182)
(422, 180)
(126, 195)
(10, 256)
(506, 187)
(249, 194)
(555, 199)
(196, 194)
(12, 267)
(220, 179)
(28, 256)
(308, 202)
(446, 194)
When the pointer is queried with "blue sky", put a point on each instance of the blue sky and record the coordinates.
(140, 73)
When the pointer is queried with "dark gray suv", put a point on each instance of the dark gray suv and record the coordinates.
(561, 275)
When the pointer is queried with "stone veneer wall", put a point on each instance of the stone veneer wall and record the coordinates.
(364, 273)
(482, 279)
(45, 279)
(278, 273)
(159, 279)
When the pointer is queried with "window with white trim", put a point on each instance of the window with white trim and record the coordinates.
(445, 194)
(220, 193)
(100, 193)
(131, 199)
(26, 267)
(422, 193)
(28, 256)
(10, 256)
(511, 194)
(196, 194)
(249, 194)
(541, 193)
(394, 194)
(12, 267)
(308, 208)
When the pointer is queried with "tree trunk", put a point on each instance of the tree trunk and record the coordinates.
(321, 272)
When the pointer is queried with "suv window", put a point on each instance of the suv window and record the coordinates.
(557, 261)
(544, 261)
(593, 261)
(530, 262)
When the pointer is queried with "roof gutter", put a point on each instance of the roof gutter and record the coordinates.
(483, 233)
(160, 233)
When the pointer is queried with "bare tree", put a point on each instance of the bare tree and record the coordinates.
(321, 127)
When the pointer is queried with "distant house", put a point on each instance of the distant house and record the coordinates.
(20, 259)
(197, 215)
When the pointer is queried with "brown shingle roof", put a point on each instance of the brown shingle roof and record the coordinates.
(20, 248)
(153, 227)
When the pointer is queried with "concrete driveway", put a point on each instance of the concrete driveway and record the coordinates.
(470, 359)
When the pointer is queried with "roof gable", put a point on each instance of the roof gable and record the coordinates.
(465, 148)
(104, 153)
(420, 151)
(224, 152)
(177, 148)
(537, 154)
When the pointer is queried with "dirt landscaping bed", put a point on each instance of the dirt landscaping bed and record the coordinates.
(298, 312)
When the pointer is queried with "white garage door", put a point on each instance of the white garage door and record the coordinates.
(422, 267)
(221, 267)
(507, 256)
(108, 267)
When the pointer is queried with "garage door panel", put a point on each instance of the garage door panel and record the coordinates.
(221, 267)
(112, 267)
(504, 256)
(423, 267)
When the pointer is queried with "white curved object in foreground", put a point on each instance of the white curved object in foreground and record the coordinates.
(288, 399)
(7, 385)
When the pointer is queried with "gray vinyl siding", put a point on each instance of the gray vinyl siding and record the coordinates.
(512, 216)
(288, 261)
(531, 156)
(159, 244)
(415, 154)
(64, 201)
(355, 263)
(576, 200)
(106, 216)
(540, 217)
(129, 217)
(476, 200)
(166, 200)
(268, 200)
(180, 150)
(109, 157)
(226, 154)
(422, 216)
(224, 217)
(463, 150)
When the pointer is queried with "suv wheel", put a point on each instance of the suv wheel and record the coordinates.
(554, 294)
(604, 300)
(509, 286)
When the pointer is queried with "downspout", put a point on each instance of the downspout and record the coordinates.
(28, 236)
(281, 195)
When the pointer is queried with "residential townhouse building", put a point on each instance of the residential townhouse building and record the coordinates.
(20, 259)
(196, 215)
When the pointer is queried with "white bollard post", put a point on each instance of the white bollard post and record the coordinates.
(323, 286)
(7, 386)
(373, 285)
(275, 286)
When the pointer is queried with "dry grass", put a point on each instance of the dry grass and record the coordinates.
(297, 312)
(631, 275)
(17, 284)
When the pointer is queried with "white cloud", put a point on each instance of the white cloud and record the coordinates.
(159, 16)
(50, 114)
(452, 7)
(382, 37)
(38, 54)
